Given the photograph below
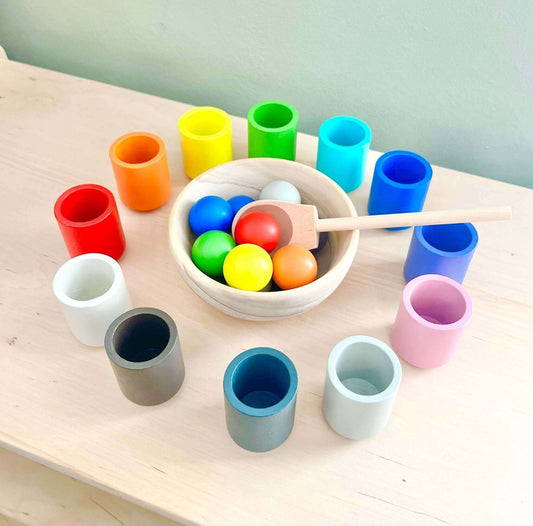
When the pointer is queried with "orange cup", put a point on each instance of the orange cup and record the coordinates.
(139, 161)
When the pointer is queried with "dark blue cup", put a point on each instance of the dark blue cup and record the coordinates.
(400, 184)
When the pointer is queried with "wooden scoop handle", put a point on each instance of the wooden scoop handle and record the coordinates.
(437, 217)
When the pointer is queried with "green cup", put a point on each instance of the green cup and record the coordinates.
(272, 128)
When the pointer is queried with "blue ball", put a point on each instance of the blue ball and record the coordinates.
(238, 201)
(210, 213)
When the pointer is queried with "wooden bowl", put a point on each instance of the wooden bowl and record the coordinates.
(248, 177)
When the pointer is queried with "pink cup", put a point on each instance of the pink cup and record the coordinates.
(432, 316)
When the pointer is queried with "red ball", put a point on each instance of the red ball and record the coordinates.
(258, 228)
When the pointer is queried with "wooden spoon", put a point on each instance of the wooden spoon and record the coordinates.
(300, 224)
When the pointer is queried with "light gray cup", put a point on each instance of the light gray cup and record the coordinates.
(362, 379)
(144, 350)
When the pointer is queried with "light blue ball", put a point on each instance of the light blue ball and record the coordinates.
(281, 191)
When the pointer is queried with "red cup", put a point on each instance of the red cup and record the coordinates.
(88, 218)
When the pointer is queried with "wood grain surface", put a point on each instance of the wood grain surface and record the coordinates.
(456, 450)
(35, 495)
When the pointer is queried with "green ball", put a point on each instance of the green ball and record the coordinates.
(210, 250)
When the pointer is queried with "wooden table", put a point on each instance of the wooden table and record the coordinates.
(456, 450)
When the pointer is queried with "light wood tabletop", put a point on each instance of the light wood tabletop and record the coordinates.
(456, 449)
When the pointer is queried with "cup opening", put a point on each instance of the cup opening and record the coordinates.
(87, 279)
(403, 169)
(261, 381)
(84, 204)
(364, 368)
(273, 115)
(438, 302)
(137, 149)
(205, 123)
(141, 337)
(448, 238)
(346, 132)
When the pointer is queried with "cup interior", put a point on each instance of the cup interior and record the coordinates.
(84, 204)
(449, 238)
(204, 123)
(345, 132)
(364, 368)
(273, 115)
(141, 337)
(403, 168)
(438, 302)
(260, 381)
(85, 279)
(137, 149)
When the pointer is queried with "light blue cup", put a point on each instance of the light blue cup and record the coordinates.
(343, 144)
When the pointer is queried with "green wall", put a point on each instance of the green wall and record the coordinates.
(451, 80)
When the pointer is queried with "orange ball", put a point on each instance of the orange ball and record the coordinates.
(294, 266)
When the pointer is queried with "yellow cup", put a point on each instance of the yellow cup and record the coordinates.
(205, 135)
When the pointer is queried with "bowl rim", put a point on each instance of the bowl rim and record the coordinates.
(202, 280)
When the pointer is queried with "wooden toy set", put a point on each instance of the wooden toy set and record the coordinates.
(266, 238)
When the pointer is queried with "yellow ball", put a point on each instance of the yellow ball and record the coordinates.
(248, 267)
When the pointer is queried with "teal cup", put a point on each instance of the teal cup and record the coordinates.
(260, 388)
(343, 144)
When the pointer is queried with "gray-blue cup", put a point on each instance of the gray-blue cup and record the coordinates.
(260, 387)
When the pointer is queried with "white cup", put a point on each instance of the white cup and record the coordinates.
(92, 292)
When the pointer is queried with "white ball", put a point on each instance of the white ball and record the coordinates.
(281, 191)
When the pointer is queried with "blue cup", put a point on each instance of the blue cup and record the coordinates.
(260, 388)
(343, 144)
(400, 184)
(441, 249)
